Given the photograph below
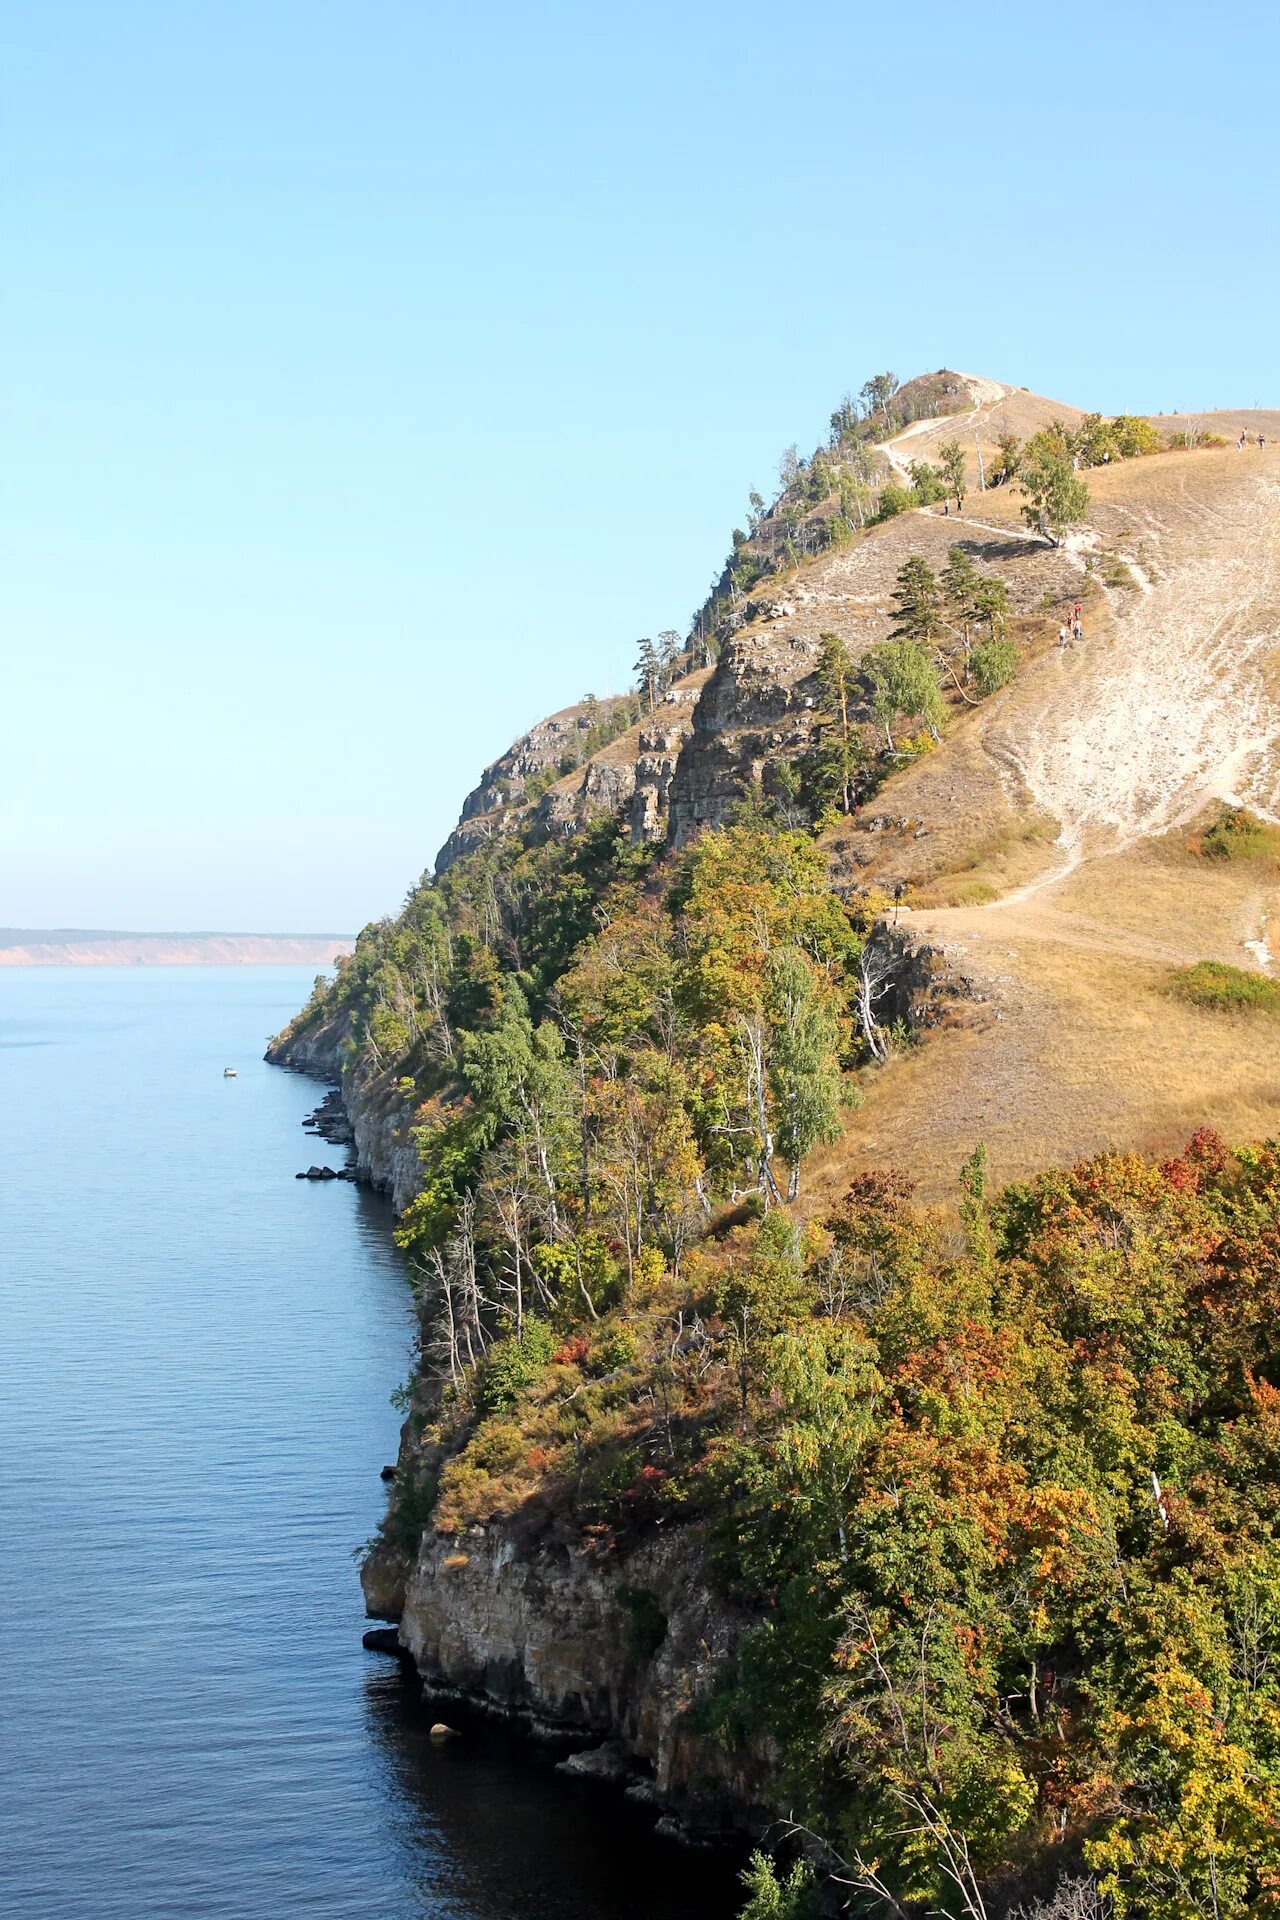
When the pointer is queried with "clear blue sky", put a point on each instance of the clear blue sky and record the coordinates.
(370, 380)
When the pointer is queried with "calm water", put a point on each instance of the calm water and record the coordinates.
(194, 1376)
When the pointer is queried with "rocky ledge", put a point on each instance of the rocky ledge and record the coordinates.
(611, 1655)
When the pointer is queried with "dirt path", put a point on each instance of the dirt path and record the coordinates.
(985, 393)
(1173, 699)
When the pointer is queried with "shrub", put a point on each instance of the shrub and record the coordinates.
(1238, 834)
(894, 500)
(993, 664)
(511, 1365)
(1133, 435)
(616, 1347)
(1222, 989)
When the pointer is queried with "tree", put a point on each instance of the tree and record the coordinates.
(1057, 498)
(903, 681)
(648, 670)
(1006, 468)
(951, 454)
(994, 663)
(804, 1060)
(878, 392)
(839, 756)
(789, 467)
(670, 647)
(917, 602)
(991, 603)
(927, 481)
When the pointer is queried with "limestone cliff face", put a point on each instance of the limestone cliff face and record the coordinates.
(496, 802)
(755, 708)
(386, 1158)
(547, 1636)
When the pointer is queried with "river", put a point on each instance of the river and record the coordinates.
(197, 1356)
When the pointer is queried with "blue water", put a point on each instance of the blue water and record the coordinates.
(196, 1354)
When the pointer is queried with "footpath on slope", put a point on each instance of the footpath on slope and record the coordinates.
(1126, 740)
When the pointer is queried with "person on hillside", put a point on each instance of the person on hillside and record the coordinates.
(1261, 443)
(1243, 441)
(1062, 637)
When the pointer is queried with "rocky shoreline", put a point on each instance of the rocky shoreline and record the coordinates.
(540, 1636)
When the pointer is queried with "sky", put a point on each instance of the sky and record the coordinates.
(373, 375)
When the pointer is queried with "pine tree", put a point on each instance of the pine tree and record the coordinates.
(917, 606)
(648, 671)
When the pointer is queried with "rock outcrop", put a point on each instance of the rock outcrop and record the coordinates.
(584, 1649)
(756, 708)
(379, 1116)
(503, 789)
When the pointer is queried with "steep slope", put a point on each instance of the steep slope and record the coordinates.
(1169, 704)
(1044, 809)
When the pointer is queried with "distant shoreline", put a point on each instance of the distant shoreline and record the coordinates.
(68, 947)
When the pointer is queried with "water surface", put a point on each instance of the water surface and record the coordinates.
(197, 1352)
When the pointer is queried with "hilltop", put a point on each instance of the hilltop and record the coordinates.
(1054, 820)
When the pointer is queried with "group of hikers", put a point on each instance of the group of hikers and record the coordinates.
(1070, 630)
(1243, 441)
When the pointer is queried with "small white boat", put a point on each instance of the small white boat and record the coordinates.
(228, 1073)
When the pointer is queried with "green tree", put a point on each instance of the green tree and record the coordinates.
(839, 756)
(928, 483)
(648, 671)
(993, 663)
(877, 393)
(951, 454)
(1010, 450)
(804, 1060)
(1057, 498)
(917, 602)
(789, 1897)
(904, 681)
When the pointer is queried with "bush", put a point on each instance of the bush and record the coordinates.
(1134, 435)
(1238, 834)
(1222, 989)
(895, 500)
(993, 664)
(511, 1365)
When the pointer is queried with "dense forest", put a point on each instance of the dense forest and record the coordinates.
(997, 1486)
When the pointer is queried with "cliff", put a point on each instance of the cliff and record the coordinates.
(608, 1655)
(385, 1156)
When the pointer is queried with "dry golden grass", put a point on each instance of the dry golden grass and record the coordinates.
(1073, 1043)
